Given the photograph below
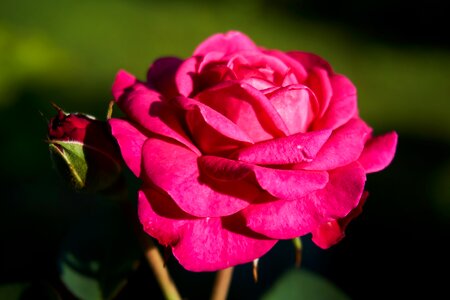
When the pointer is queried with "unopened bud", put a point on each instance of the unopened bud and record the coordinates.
(83, 151)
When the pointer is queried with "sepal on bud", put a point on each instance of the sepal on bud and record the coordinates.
(83, 152)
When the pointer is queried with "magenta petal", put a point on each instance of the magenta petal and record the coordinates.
(331, 232)
(230, 42)
(292, 149)
(302, 216)
(285, 184)
(343, 147)
(174, 169)
(296, 67)
(379, 152)
(327, 234)
(342, 106)
(319, 82)
(247, 107)
(130, 140)
(147, 108)
(206, 244)
(160, 216)
(310, 61)
(296, 104)
(161, 75)
(184, 76)
(123, 81)
(217, 243)
(212, 131)
(290, 184)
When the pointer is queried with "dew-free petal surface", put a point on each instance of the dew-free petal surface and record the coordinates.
(290, 219)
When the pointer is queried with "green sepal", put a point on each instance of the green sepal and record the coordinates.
(69, 159)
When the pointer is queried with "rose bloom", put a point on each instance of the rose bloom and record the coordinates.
(239, 146)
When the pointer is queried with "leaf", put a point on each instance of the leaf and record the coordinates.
(99, 253)
(13, 291)
(302, 284)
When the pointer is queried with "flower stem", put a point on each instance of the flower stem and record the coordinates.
(222, 284)
(151, 252)
(161, 273)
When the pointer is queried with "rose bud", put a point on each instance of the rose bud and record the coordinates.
(83, 151)
(239, 146)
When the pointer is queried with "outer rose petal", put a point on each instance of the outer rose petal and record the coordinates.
(174, 169)
(286, 184)
(310, 61)
(299, 217)
(161, 75)
(160, 216)
(217, 243)
(147, 108)
(184, 74)
(230, 42)
(123, 81)
(379, 152)
(343, 147)
(292, 149)
(330, 233)
(130, 140)
(205, 244)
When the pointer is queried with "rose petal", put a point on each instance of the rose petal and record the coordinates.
(343, 147)
(232, 41)
(247, 107)
(330, 233)
(319, 82)
(206, 244)
(302, 216)
(160, 216)
(184, 76)
(147, 108)
(310, 61)
(174, 169)
(296, 105)
(342, 106)
(130, 140)
(296, 67)
(123, 81)
(161, 75)
(292, 149)
(257, 64)
(379, 152)
(217, 243)
(212, 131)
(285, 184)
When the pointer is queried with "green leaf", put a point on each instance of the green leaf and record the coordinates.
(13, 291)
(81, 285)
(302, 284)
(99, 253)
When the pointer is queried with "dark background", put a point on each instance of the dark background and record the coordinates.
(68, 52)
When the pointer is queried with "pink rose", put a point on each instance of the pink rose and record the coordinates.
(239, 147)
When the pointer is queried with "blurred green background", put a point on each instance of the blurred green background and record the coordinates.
(68, 52)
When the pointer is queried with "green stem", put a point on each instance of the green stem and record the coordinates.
(222, 284)
(151, 252)
(162, 275)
